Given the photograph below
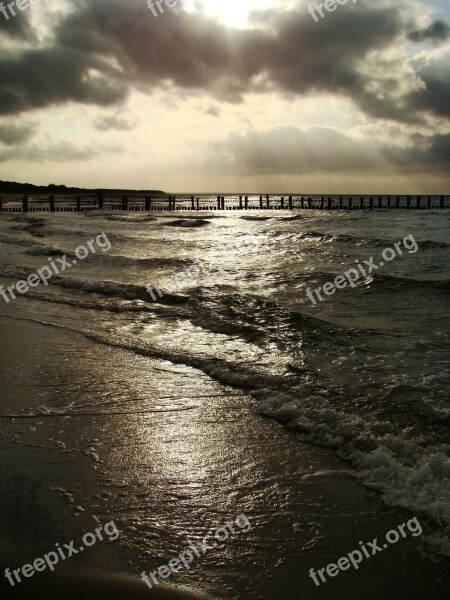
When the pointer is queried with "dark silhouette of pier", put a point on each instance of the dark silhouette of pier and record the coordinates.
(207, 202)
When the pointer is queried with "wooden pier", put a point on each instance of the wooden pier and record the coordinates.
(207, 202)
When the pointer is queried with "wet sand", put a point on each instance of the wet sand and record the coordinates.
(71, 585)
(102, 434)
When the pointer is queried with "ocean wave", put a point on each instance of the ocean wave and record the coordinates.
(407, 471)
(150, 263)
(118, 215)
(106, 288)
(118, 290)
(374, 279)
(356, 240)
(32, 225)
(188, 223)
(15, 240)
(131, 218)
(44, 251)
(402, 282)
(255, 218)
(432, 244)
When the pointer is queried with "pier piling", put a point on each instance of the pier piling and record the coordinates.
(138, 202)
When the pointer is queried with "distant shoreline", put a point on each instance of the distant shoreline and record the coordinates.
(12, 188)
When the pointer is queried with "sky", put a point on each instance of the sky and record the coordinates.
(223, 96)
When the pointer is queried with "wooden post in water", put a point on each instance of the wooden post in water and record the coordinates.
(174, 201)
(124, 202)
(240, 203)
(302, 202)
(52, 203)
(361, 203)
(100, 200)
(418, 202)
(260, 202)
(290, 202)
(282, 202)
(192, 203)
(442, 202)
(246, 202)
(310, 203)
(429, 202)
(350, 203)
(148, 203)
(223, 202)
(267, 201)
(380, 202)
(322, 202)
(219, 202)
(329, 203)
(25, 203)
(198, 203)
(341, 203)
(78, 203)
(371, 204)
(397, 202)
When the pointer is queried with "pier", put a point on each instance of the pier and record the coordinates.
(207, 202)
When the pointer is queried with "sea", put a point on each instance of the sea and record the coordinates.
(362, 372)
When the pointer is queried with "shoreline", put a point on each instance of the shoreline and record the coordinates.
(194, 460)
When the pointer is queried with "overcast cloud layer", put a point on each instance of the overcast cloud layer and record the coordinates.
(386, 58)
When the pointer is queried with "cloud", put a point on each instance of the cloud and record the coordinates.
(54, 152)
(114, 122)
(18, 27)
(12, 135)
(291, 150)
(100, 51)
(39, 78)
(432, 69)
(213, 111)
(438, 31)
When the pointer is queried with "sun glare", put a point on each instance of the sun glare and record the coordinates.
(230, 12)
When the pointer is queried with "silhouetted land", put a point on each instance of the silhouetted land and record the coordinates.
(12, 187)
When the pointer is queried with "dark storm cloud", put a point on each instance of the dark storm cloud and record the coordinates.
(435, 76)
(16, 27)
(39, 78)
(289, 150)
(101, 50)
(438, 31)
